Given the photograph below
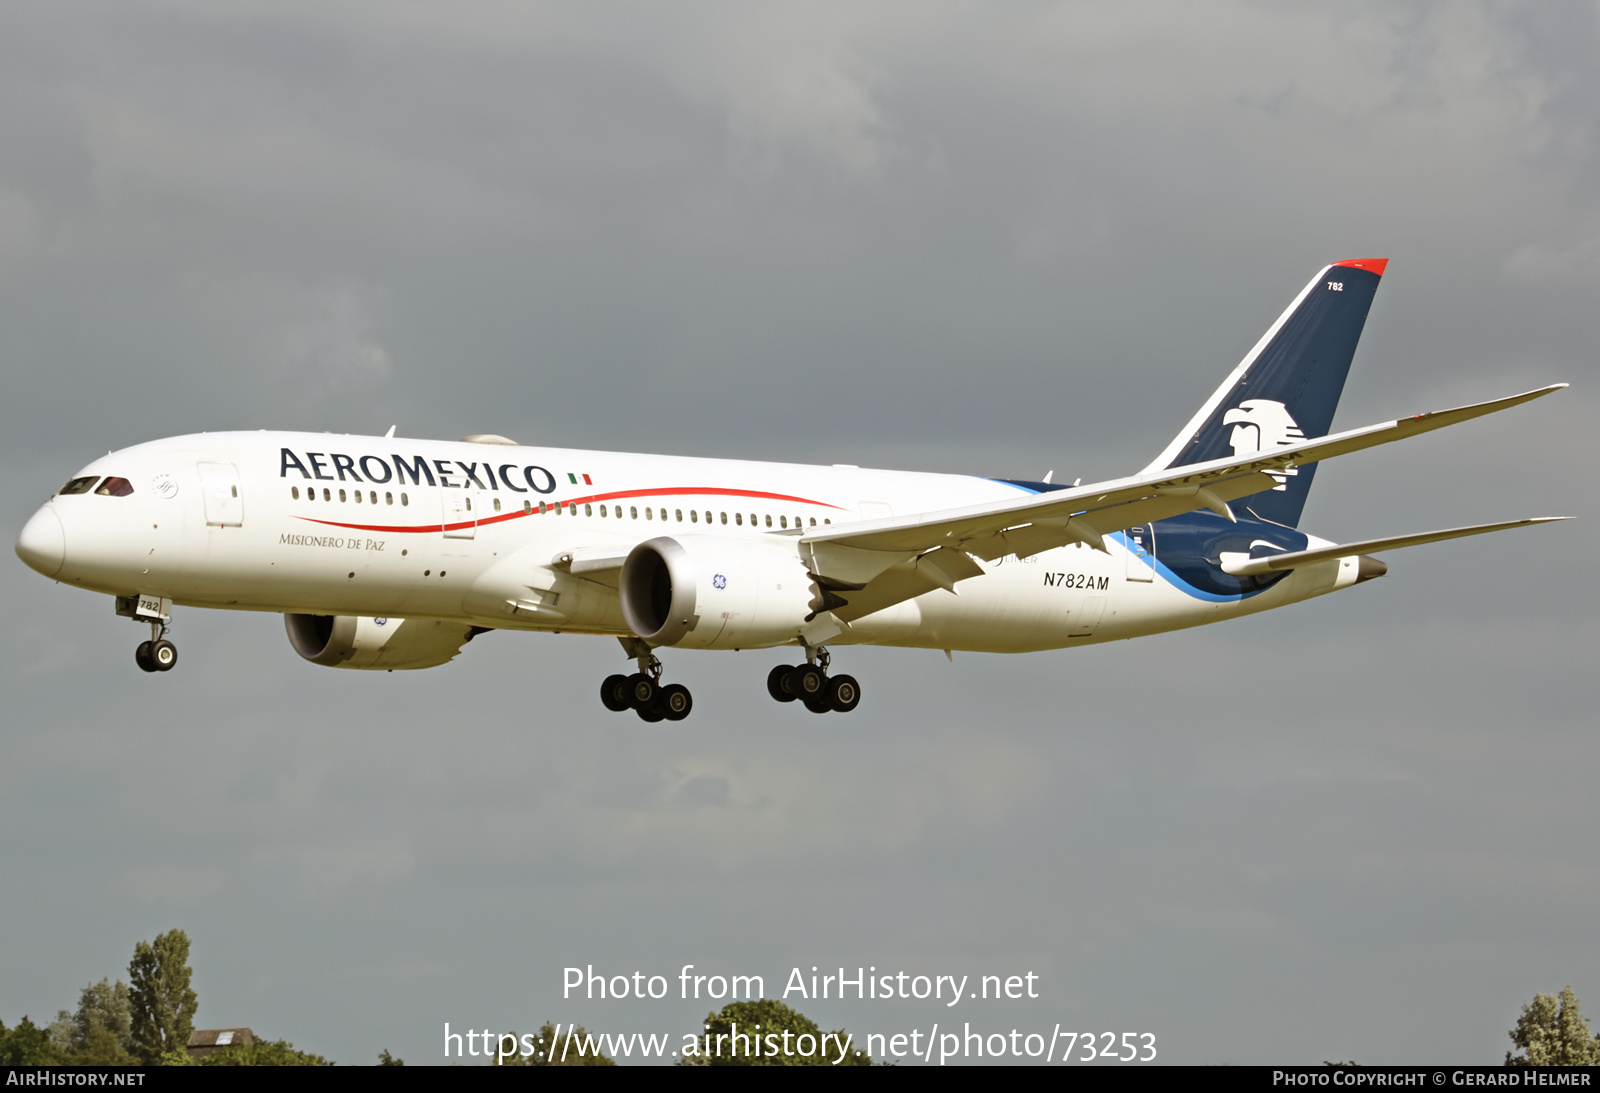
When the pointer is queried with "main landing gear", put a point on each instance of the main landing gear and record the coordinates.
(811, 684)
(158, 654)
(643, 691)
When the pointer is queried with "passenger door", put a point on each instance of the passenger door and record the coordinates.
(1140, 543)
(219, 486)
(459, 513)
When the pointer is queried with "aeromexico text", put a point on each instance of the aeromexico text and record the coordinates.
(863, 983)
(449, 473)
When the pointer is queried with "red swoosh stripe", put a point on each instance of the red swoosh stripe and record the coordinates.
(675, 491)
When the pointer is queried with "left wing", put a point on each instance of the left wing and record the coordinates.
(865, 567)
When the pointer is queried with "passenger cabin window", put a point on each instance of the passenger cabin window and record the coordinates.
(79, 485)
(294, 492)
(327, 494)
(602, 510)
(769, 520)
(588, 510)
(114, 487)
(404, 500)
(341, 496)
(388, 498)
(738, 518)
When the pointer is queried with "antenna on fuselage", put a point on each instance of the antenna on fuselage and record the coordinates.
(390, 434)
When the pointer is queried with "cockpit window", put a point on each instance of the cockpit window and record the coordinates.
(79, 485)
(114, 487)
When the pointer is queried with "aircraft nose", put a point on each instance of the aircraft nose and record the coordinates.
(42, 544)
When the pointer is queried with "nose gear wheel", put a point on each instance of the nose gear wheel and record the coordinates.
(158, 654)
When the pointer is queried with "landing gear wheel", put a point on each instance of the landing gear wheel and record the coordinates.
(807, 681)
(642, 691)
(652, 712)
(141, 657)
(844, 693)
(614, 693)
(818, 704)
(675, 702)
(778, 683)
(163, 654)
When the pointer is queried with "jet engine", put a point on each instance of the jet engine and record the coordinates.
(381, 644)
(701, 592)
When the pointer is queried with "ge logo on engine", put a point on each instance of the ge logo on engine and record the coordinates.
(719, 581)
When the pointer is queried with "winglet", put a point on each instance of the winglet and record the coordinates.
(1375, 265)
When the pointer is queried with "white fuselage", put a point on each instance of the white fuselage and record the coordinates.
(478, 533)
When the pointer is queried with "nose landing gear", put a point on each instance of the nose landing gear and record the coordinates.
(643, 691)
(158, 654)
(812, 686)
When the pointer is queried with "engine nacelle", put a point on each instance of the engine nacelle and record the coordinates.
(382, 644)
(703, 592)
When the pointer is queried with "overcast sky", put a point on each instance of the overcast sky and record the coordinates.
(985, 238)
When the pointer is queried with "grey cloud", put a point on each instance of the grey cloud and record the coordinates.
(973, 239)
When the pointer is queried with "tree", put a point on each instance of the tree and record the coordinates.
(27, 1045)
(1551, 1032)
(385, 1059)
(769, 1033)
(102, 1029)
(106, 1005)
(101, 1032)
(162, 1004)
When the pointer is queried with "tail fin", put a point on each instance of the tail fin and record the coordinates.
(1287, 387)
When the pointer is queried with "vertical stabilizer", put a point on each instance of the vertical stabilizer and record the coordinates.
(1287, 387)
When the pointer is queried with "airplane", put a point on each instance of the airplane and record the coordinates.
(384, 553)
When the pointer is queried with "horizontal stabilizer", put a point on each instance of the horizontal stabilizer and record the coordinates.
(1252, 567)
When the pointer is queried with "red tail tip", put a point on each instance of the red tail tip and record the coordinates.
(1376, 265)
